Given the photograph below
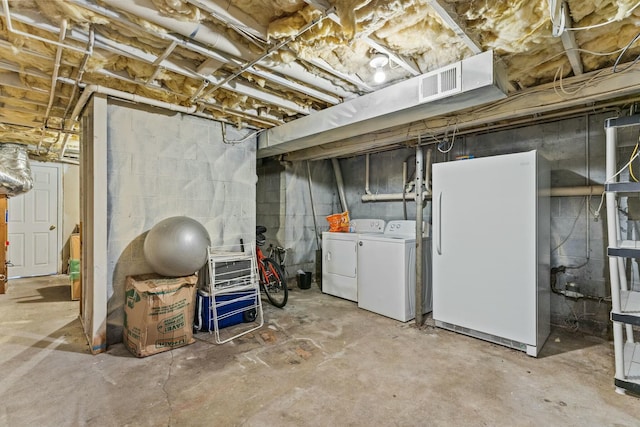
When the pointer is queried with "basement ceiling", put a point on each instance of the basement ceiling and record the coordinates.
(258, 64)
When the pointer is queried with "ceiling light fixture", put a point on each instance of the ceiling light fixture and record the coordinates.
(378, 62)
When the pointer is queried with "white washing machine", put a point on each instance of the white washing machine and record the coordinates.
(387, 272)
(340, 258)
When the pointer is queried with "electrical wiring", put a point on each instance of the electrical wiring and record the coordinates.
(238, 141)
(596, 214)
(453, 140)
(633, 153)
(564, 52)
(615, 65)
(553, 6)
(558, 79)
(573, 226)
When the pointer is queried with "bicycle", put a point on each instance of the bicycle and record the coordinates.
(271, 276)
(278, 254)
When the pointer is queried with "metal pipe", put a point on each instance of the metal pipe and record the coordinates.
(266, 54)
(81, 70)
(56, 69)
(54, 83)
(313, 207)
(296, 72)
(590, 190)
(419, 232)
(339, 183)
(366, 174)
(404, 186)
(427, 177)
(391, 197)
(7, 15)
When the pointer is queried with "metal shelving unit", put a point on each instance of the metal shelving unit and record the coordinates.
(235, 291)
(625, 302)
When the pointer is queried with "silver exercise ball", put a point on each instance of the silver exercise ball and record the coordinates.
(176, 246)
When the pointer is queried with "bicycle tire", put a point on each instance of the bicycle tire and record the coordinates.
(274, 285)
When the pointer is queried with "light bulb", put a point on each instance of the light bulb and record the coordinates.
(379, 76)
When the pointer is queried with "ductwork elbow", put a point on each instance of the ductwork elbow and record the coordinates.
(15, 171)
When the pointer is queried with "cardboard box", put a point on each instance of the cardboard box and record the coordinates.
(74, 246)
(158, 313)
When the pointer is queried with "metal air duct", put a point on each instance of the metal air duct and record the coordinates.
(15, 172)
(467, 83)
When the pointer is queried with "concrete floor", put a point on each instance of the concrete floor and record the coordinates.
(319, 362)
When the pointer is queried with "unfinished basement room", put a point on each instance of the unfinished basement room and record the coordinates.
(319, 213)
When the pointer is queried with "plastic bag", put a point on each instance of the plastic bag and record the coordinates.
(339, 222)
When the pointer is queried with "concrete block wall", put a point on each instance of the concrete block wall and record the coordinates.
(566, 144)
(292, 220)
(162, 165)
(575, 148)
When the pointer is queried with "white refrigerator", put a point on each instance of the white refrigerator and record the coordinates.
(491, 249)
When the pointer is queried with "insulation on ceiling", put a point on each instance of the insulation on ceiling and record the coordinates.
(129, 47)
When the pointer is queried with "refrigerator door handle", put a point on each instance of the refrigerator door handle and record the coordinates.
(439, 245)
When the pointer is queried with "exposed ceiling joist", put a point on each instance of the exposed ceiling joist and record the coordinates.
(356, 81)
(326, 91)
(13, 80)
(231, 15)
(452, 20)
(402, 62)
(16, 68)
(178, 53)
(569, 42)
(13, 120)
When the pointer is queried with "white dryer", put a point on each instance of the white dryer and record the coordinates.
(340, 258)
(387, 272)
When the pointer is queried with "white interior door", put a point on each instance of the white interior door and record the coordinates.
(33, 225)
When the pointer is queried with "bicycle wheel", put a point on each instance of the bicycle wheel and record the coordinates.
(274, 284)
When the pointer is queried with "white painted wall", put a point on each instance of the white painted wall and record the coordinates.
(163, 164)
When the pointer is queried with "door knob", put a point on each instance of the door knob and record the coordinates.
(52, 227)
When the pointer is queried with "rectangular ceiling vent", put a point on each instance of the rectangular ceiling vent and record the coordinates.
(440, 83)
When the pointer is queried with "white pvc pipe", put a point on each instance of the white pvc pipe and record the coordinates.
(7, 15)
(54, 82)
(91, 89)
(194, 30)
(390, 197)
(56, 69)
